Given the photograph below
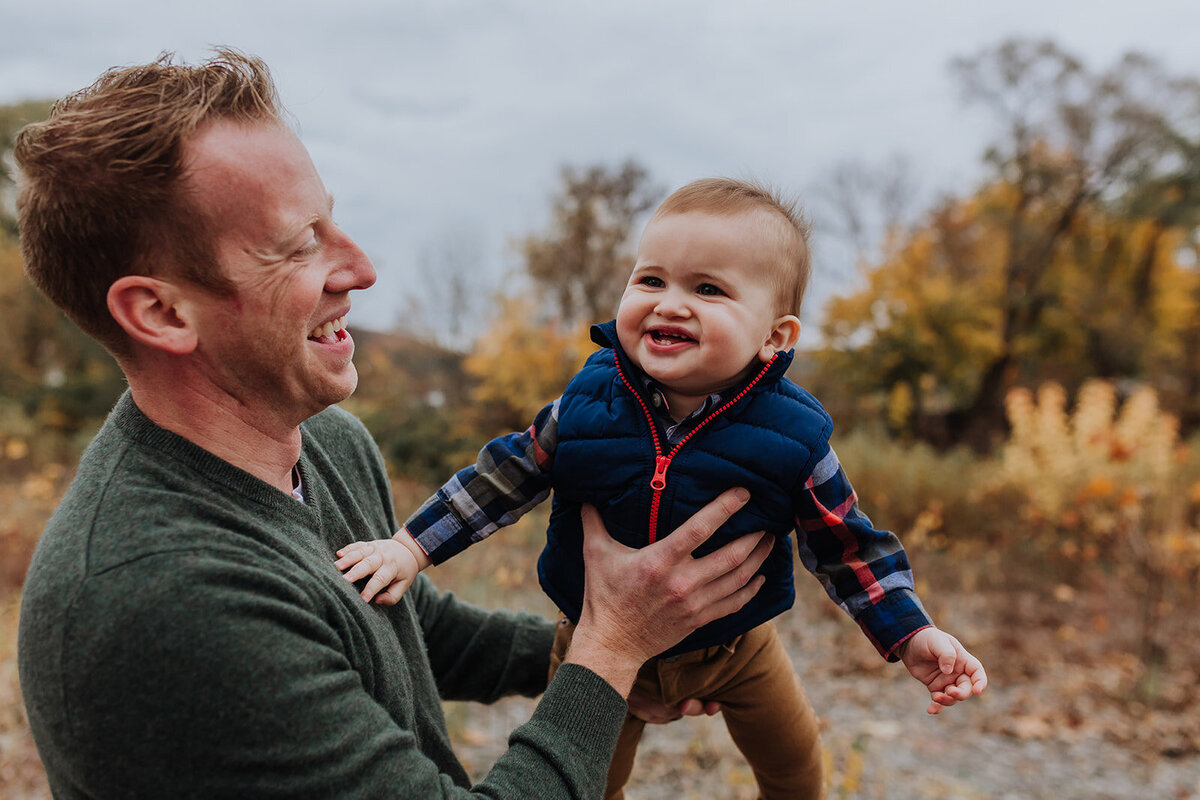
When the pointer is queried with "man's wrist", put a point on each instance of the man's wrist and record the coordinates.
(609, 663)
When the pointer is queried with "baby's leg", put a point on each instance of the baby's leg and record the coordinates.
(766, 711)
(622, 763)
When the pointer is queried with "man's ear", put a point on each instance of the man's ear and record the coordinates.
(783, 336)
(149, 311)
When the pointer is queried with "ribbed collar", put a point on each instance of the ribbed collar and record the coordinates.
(128, 420)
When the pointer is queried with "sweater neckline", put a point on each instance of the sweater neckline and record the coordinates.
(131, 422)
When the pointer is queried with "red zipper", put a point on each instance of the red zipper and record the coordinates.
(658, 481)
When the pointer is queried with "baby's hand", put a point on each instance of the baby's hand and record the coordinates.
(939, 661)
(393, 565)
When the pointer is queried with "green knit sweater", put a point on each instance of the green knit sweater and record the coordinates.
(184, 633)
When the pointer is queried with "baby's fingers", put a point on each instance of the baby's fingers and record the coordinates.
(353, 553)
(349, 559)
(365, 567)
(392, 594)
(379, 581)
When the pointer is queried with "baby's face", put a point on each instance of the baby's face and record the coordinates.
(701, 307)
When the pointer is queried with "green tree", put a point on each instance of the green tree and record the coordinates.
(1065, 263)
(50, 372)
(52, 376)
(580, 265)
(414, 398)
(1121, 141)
(929, 322)
(12, 118)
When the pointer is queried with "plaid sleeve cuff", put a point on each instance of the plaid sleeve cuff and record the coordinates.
(437, 530)
(891, 621)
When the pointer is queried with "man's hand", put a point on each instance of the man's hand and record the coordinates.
(939, 661)
(393, 565)
(638, 603)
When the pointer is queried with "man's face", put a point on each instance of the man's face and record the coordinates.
(271, 346)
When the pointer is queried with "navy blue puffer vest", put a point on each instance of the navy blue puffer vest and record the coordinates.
(767, 441)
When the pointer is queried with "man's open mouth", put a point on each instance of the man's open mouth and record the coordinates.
(330, 332)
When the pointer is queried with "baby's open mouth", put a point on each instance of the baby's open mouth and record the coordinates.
(330, 332)
(670, 336)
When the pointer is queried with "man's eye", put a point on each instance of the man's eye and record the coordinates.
(308, 249)
(708, 288)
(656, 283)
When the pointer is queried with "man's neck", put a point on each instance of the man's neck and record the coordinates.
(256, 443)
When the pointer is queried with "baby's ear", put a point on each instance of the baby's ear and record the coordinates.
(784, 334)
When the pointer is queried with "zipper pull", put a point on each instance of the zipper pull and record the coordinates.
(659, 481)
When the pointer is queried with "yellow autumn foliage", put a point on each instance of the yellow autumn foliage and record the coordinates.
(1107, 470)
(520, 363)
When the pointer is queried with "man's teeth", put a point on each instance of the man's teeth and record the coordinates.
(328, 329)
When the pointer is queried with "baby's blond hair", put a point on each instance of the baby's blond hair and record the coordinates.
(727, 197)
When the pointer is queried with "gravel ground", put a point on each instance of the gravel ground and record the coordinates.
(1045, 729)
(878, 741)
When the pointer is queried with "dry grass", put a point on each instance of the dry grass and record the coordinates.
(1046, 588)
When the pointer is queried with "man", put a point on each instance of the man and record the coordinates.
(184, 631)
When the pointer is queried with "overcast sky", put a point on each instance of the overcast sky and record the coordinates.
(441, 125)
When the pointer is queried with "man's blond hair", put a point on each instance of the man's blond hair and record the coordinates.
(101, 192)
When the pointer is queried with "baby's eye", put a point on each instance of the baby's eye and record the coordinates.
(708, 288)
(653, 282)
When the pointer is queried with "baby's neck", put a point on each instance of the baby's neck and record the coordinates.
(681, 405)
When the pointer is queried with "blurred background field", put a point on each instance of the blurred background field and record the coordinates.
(1014, 368)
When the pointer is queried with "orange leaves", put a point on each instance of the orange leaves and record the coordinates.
(1104, 482)
(16, 449)
(1101, 456)
(1098, 488)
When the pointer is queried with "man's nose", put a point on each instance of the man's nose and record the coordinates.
(354, 270)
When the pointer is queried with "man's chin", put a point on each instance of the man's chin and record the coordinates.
(337, 389)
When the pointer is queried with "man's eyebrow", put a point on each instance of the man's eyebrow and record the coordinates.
(312, 219)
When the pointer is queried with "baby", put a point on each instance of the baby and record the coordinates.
(686, 398)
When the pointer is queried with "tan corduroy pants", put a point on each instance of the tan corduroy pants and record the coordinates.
(765, 709)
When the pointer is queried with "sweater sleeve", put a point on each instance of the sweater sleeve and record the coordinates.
(481, 655)
(511, 476)
(260, 699)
